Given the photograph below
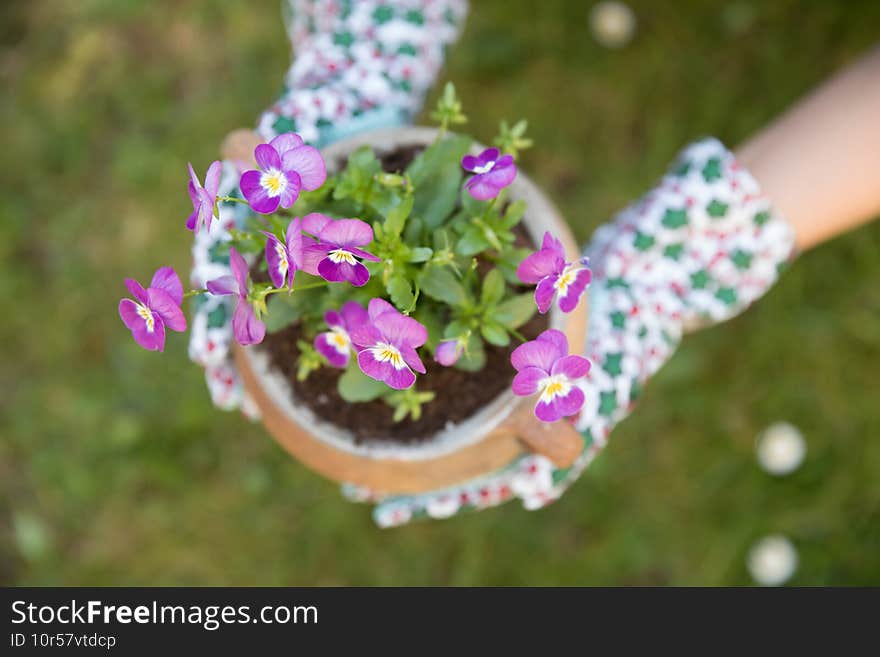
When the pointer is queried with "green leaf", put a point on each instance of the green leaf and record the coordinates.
(354, 386)
(420, 254)
(509, 262)
(441, 284)
(472, 242)
(514, 214)
(436, 176)
(394, 207)
(495, 334)
(474, 356)
(282, 313)
(515, 311)
(400, 291)
(493, 289)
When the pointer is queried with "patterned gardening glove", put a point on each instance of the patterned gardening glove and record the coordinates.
(696, 250)
(359, 65)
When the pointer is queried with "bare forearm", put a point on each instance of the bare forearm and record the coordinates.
(819, 163)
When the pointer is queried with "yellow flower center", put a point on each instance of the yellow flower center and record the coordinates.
(339, 339)
(341, 255)
(274, 182)
(554, 386)
(147, 315)
(567, 277)
(385, 352)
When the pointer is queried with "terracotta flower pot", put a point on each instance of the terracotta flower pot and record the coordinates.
(488, 440)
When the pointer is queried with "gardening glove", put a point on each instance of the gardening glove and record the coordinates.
(358, 66)
(696, 250)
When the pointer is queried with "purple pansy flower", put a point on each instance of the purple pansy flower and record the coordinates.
(387, 345)
(287, 166)
(491, 173)
(336, 257)
(448, 352)
(156, 307)
(553, 275)
(245, 325)
(544, 366)
(203, 198)
(283, 259)
(335, 344)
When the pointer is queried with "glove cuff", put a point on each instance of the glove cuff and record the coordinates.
(705, 234)
(360, 65)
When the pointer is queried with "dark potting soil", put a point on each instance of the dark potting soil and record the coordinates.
(458, 394)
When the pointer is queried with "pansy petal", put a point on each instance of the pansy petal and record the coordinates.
(364, 335)
(335, 272)
(538, 265)
(333, 318)
(313, 254)
(277, 263)
(245, 325)
(324, 346)
(256, 195)
(137, 290)
(400, 330)
(193, 178)
(544, 293)
(448, 352)
(314, 223)
(212, 178)
(267, 157)
(347, 232)
(308, 163)
(572, 296)
(359, 274)
(550, 243)
(150, 340)
(364, 255)
(536, 353)
(239, 268)
(162, 304)
(469, 163)
(574, 367)
(293, 238)
(192, 220)
(291, 191)
(352, 313)
(167, 279)
(193, 192)
(480, 189)
(502, 174)
(526, 381)
(378, 307)
(560, 407)
(128, 311)
(399, 379)
(223, 285)
(411, 358)
(557, 339)
(286, 142)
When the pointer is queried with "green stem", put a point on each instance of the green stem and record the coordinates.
(519, 336)
(192, 293)
(231, 199)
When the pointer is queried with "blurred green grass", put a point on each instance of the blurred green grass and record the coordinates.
(114, 468)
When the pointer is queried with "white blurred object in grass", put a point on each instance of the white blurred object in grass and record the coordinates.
(613, 23)
(781, 448)
(772, 560)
